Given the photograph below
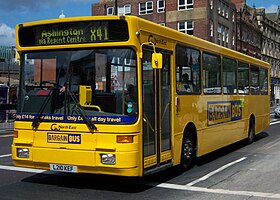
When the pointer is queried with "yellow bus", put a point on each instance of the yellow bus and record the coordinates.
(120, 95)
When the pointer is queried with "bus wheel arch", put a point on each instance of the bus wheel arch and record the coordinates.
(189, 147)
(251, 130)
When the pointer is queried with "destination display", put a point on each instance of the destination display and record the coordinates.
(73, 33)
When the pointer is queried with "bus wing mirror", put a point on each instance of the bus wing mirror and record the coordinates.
(157, 61)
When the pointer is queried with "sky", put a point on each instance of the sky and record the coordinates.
(13, 12)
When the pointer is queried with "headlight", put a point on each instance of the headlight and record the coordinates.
(22, 152)
(108, 159)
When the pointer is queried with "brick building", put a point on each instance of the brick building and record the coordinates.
(269, 24)
(212, 20)
(230, 23)
(248, 32)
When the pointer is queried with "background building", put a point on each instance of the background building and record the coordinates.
(230, 23)
(9, 68)
(269, 24)
(248, 32)
(210, 20)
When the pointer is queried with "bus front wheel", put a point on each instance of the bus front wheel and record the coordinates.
(188, 152)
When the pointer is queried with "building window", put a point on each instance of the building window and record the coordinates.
(211, 28)
(146, 8)
(226, 11)
(124, 10)
(186, 27)
(233, 16)
(185, 4)
(226, 34)
(219, 7)
(219, 33)
(110, 10)
(160, 6)
(211, 4)
(223, 34)
(223, 9)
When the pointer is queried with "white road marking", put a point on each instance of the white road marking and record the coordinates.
(7, 155)
(215, 172)
(218, 191)
(272, 123)
(4, 136)
(21, 169)
(169, 186)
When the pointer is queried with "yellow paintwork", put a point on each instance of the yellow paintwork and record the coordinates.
(85, 156)
(130, 161)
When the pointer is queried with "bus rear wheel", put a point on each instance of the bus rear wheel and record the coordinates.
(187, 153)
(251, 132)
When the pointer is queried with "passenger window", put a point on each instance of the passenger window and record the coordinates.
(243, 78)
(254, 80)
(188, 70)
(229, 76)
(211, 73)
(264, 81)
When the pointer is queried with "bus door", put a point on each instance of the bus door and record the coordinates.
(156, 113)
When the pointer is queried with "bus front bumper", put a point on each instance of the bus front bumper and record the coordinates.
(78, 161)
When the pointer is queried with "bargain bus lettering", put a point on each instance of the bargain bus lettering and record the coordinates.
(222, 112)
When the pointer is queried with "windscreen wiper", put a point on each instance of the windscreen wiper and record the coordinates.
(81, 111)
(37, 118)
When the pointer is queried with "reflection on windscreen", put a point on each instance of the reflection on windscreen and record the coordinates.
(102, 82)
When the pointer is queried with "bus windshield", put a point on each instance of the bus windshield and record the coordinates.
(101, 82)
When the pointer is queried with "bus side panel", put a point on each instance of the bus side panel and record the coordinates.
(261, 111)
(218, 136)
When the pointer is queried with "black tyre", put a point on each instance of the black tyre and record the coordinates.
(188, 152)
(251, 132)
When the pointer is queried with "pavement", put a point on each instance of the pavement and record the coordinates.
(5, 126)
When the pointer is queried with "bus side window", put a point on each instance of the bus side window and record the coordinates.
(229, 76)
(188, 70)
(211, 73)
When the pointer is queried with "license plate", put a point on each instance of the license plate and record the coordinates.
(63, 168)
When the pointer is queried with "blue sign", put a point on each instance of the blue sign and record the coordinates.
(118, 119)
(275, 81)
